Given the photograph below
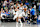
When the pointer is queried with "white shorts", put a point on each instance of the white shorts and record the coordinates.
(20, 15)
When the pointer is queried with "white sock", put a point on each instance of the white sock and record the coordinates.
(20, 21)
(16, 24)
(21, 24)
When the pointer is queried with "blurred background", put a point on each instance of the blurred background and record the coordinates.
(8, 8)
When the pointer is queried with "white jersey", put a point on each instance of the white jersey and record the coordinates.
(18, 14)
(25, 14)
(21, 8)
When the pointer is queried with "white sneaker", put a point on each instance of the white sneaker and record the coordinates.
(2, 17)
(13, 18)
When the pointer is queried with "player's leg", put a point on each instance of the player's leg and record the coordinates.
(21, 22)
(20, 16)
(16, 17)
(28, 18)
(17, 22)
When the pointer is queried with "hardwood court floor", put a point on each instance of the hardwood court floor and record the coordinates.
(13, 24)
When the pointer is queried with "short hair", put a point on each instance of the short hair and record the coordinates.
(1, 8)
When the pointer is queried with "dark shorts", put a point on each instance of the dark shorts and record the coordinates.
(33, 17)
(22, 19)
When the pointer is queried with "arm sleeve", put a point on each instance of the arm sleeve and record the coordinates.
(13, 12)
(23, 14)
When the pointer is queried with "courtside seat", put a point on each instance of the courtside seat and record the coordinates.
(8, 20)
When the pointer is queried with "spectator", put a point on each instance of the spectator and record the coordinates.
(11, 11)
(8, 5)
(5, 3)
(1, 9)
(18, 0)
(1, 3)
(39, 6)
(6, 10)
(27, 3)
(5, 7)
(10, 0)
(33, 3)
(3, 14)
(12, 5)
(17, 5)
(25, 6)
(7, 13)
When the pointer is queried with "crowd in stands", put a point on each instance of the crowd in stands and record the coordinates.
(8, 9)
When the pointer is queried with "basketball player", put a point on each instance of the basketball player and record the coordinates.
(33, 14)
(19, 14)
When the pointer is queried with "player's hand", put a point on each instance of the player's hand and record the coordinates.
(14, 14)
(13, 18)
(5, 14)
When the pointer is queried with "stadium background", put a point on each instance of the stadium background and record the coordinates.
(30, 2)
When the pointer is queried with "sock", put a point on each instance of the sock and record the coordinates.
(21, 24)
(16, 24)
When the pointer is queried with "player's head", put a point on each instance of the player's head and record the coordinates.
(24, 4)
(7, 11)
(25, 9)
(31, 7)
(1, 8)
(26, 1)
(16, 4)
(21, 4)
(5, 0)
(10, 8)
(3, 11)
